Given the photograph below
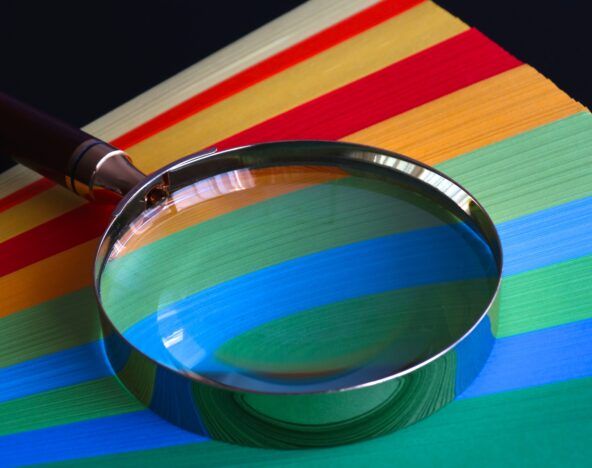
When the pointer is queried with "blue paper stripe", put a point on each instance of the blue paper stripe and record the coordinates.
(535, 358)
(554, 235)
(128, 432)
(68, 367)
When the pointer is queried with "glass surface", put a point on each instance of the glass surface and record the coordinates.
(296, 278)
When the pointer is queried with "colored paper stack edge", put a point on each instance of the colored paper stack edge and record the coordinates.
(404, 75)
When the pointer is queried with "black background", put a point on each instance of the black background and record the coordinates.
(78, 60)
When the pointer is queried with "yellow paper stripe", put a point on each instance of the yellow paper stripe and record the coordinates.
(37, 210)
(50, 278)
(406, 34)
(492, 110)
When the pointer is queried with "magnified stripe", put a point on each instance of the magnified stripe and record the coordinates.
(350, 333)
(226, 193)
(276, 230)
(230, 308)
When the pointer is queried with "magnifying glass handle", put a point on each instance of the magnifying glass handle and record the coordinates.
(84, 164)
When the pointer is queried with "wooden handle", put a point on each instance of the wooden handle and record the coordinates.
(36, 140)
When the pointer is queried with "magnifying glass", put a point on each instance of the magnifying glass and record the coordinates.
(291, 294)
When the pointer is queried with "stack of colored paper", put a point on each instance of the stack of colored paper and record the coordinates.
(404, 75)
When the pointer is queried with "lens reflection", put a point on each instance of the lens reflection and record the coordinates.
(297, 278)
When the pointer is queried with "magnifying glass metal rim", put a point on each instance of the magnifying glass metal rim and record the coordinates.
(210, 162)
(96, 170)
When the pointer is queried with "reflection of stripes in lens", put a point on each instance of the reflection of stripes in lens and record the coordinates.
(189, 293)
(257, 236)
(209, 318)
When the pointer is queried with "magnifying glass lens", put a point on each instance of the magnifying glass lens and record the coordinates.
(293, 279)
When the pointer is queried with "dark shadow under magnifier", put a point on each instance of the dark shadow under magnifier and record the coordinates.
(292, 294)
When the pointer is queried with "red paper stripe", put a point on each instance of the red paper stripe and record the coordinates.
(315, 44)
(442, 69)
(23, 194)
(299, 52)
(448, 66)
(66, 231)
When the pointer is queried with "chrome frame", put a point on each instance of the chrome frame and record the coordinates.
(259, 429)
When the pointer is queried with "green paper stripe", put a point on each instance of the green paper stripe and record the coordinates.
(544, 167)
(533, 427)
(94, 399)
(52, 326)
(546, 297)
